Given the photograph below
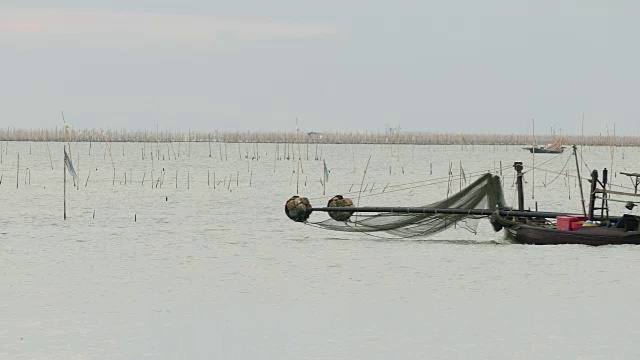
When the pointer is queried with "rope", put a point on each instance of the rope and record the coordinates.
(416, 184)
(544, 162)
(560, 172)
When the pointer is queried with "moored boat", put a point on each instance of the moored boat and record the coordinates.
(624, 231)
(584, 230)
(555, 148)
(481, 199)
(544, 150)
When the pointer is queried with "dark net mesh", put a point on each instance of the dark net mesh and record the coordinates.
(484, 193)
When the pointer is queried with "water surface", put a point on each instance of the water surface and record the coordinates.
(186, 270)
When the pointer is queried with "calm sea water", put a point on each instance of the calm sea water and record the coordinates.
(186, 270)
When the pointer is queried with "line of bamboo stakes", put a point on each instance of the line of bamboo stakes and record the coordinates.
(292, 151)
(288, 139)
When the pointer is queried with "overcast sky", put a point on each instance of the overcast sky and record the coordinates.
(456, 66)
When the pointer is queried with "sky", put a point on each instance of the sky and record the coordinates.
(335, 65)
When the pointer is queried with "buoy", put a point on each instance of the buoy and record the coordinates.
(339, 201)
(298, 208)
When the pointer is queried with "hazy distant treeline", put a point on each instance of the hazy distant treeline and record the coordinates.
(334, 137)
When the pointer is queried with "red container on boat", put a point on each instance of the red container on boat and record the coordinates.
(566, 222)
(576, 224)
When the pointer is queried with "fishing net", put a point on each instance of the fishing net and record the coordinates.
(484, 193)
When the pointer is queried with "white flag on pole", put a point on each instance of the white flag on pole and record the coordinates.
(69, 165)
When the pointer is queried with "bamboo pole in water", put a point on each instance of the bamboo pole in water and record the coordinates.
(533, 161)
(151, 169)
(64, 191)
(48, 151)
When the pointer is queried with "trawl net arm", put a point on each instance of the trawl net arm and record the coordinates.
(480, 198)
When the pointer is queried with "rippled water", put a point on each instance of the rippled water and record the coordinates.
(190, 271)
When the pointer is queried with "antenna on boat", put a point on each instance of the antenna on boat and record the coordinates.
(582, 142)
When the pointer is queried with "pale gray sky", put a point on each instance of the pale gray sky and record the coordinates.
(455, 66)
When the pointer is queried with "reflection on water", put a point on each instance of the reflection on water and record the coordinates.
(186, 270)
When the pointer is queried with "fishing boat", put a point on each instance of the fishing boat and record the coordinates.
(587, 229)
(548, 233)
(554, 148)
(544, 150)
(484, 199)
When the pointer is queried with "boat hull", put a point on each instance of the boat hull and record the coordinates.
(594, 236)
(544, 151)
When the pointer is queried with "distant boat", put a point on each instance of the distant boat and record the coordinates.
(555, 148)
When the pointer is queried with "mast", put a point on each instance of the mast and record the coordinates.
(518, 166)
(592, 194)
(605, 202)
(575, 154)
